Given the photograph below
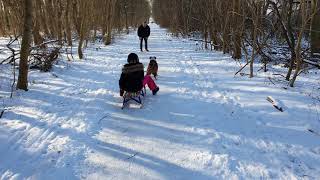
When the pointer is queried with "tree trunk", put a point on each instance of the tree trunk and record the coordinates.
(304, 21)
(42, 16)
(255, 26)
(94, 33)
(59, 23)
(205, 32)
(81, 39)
(315, 32)
(236, 31)
(290, 40)
(25, 46)
(291, 66)
(126, 15)
(108, 36)
(254, 38)
(68, 28)
(51, 13)
(109, 22)
(37, 38)
(80, 53)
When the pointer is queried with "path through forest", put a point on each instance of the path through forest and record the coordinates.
(204, 123)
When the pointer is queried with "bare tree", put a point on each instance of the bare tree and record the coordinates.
(25, 46)
(253, 27)
(306, 15)
(315, 32)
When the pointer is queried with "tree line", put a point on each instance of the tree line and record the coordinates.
(67, 22)
(253, 29)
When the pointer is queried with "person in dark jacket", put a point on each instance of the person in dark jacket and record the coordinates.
(132, 78)
(144, 33)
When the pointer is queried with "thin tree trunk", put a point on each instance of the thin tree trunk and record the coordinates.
(291, 40)
(80, 53)
(25, 46)
(237, 33)
(68, 28)
(51, 21)
(42, 17)
(255, 26)
(315, 31)
(59, 22)
(304, 21)
(126, 15)
(254, 38)
(110, 21)
(37, 39)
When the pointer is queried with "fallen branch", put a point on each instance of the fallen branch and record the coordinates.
(279, 75)
(241, 68)
(271, 80)
(44, 44)
(44, 59)
(274, 103)
(317, 64)
(244, 74)
(314, 132)
(31, 49)
(1, 113)
(103, 118)
(54, 75)
(12, 57)
(132, 156)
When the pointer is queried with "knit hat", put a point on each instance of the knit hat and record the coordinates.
(133, 58)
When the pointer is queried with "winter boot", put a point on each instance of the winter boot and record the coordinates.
(154, 92)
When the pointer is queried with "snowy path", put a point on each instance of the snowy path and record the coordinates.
(203, 124)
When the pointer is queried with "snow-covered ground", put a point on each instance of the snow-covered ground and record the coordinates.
(203, 124)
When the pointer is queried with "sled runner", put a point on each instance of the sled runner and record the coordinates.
(133, 96)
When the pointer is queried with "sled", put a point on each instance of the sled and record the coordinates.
(133, 96)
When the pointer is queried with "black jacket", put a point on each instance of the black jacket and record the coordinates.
(144, 31)
(131, 77)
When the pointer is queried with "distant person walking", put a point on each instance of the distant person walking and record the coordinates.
(144, 33)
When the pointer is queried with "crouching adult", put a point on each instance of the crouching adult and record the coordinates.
(132, 77)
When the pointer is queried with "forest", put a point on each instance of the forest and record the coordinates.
(63, 22)
(265, 30)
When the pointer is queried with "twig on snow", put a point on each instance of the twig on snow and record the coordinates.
(132, 156)
(279, 75)
(271, 80)
(241, 68)
(314, 132)
(103, 118)
(1, 113)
